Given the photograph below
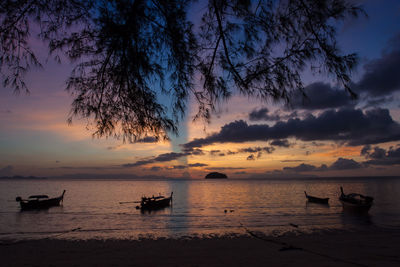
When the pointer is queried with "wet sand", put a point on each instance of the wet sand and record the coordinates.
(380, 247)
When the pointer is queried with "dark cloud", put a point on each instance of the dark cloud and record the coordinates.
(192, 151)
(379, 81)
(258, 150)
(138, 163)
(215, 152)
(378, 153)
(251, 157)
(179, 167)
(365, 150)
(394, 152)
(345, 164)
(267, 149)
(195, 151)
(339, 164)
(317, 144)
(306, 168)
(323, 167)
(240, 173)
(160, 158)
(257, 115)
(281, 143)
(377, 102)
(381, 76)
(348, 125)
(263, 114)
(198, 165)
(380, 156)
(169, 156)
(321, 96)
(301, 168)
(236, 132)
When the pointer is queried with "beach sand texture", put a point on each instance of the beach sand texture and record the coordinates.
(339, 248)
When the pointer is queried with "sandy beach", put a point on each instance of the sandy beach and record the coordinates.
(367, 248)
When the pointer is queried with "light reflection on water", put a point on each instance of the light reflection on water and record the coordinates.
(198, 208)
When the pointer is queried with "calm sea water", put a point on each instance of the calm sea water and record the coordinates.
(91, 209)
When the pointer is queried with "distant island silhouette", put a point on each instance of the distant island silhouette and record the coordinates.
(22, 177)
(216, 175)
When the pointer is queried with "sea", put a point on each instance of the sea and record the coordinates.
(92, 209)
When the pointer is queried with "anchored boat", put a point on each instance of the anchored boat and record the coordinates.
(355, 202)
(155, 202)
(316, 199)
(39, 202)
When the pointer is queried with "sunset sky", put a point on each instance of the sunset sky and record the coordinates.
(330, 135)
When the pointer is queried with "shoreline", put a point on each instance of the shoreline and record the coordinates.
(374, 247)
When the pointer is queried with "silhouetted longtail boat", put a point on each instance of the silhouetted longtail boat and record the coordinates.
(39, 202)
(154, 203)
(355, 202)
(316, 199)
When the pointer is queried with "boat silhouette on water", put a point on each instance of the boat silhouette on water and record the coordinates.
(316, 199)
(155, 202)
(39, 202)
(355, 203)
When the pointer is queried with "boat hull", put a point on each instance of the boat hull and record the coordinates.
(355, 203)
(37, 204)
(155, 203)
(355, 208)
(316, 199)
(158, 204)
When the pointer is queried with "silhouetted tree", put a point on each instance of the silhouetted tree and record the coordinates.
(129, 51)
